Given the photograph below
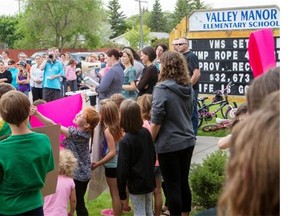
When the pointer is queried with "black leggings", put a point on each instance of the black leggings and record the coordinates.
(175, 168)
(80, 188)
(34, 212)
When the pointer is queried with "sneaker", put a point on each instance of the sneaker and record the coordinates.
(127, 209)
(107, 212)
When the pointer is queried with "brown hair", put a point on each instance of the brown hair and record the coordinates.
(71, 61)
(67, 163)
(15, 107)
(129, 54)
(110, 118)
(92, 118)
(262, 86)
(39, 102)
(145, 103)
(174, 66)
(241, 110)
(252, 184)
(5, 87)
(117, 99)
(272, 101)
(150, 52)
(164, 47)
(130, 112)
(114, 52)
(12, 61)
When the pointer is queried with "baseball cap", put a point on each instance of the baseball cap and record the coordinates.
(22, 64)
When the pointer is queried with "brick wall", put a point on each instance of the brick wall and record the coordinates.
(13, 53)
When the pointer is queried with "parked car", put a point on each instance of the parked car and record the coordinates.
(81, 56)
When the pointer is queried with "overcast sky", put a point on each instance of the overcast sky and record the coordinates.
(131, 7)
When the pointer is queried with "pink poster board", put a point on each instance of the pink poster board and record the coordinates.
(261, 49)
(61, 111)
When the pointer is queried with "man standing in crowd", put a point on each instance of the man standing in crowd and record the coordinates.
(193, 66)
(53, 70)
(175, 44)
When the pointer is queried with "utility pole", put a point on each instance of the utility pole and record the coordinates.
(141, 23)
(19, 6)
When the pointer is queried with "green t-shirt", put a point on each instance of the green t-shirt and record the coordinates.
(129, 76)
(24, 162)
(5, 129)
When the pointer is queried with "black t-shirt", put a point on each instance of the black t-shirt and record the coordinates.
(6, 74)
(193, 63)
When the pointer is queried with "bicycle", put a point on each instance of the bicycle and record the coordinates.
(219, 125)
(220, 99)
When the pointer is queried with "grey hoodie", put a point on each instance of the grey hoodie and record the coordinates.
(172, 108)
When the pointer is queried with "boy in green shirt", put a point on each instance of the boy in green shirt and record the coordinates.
(25, 159)
(5, 130)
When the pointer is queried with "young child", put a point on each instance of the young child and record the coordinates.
(145, 103)
(25, 159)
(112, 134)
(77, 140)
(136, 160)
(56, 204)
(23, 79)
(118, 98)
(5, 130)
(70, 73)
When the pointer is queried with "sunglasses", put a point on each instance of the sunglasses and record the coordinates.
(179, 44)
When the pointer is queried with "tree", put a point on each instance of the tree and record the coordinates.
(8, 26)
(61, 23)
(116, 19)
(133, 36)
(185, 7)
(157, 21)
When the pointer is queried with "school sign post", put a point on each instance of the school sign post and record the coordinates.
(219, 37)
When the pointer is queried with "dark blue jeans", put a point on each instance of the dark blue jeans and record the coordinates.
(175, 167)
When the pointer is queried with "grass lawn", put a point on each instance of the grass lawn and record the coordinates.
(104, 200)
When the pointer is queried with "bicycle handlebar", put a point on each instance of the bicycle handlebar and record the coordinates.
(224, 91)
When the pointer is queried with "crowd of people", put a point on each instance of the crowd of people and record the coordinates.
(148, 119)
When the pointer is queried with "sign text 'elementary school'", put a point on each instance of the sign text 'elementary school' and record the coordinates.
(255, 18)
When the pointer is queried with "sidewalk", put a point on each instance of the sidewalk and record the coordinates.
(205, 145)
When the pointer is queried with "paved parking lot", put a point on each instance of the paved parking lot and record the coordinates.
(205, 145)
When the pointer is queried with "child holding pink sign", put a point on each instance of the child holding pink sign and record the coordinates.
(77, 140)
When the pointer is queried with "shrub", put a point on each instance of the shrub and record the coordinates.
(206, 179)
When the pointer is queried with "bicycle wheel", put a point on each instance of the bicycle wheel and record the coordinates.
(225, 110)
(210, 127)
(230, 113)
(200, 121)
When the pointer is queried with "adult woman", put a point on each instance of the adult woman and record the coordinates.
(137, 62)
(159, 49)
(129, 86)
(14, 71)
(23, 79)
(149, 76)
(172, 130)
(113, 80)
(36, 79)
(5, 75)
